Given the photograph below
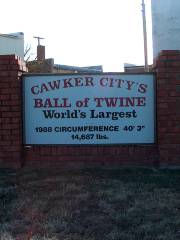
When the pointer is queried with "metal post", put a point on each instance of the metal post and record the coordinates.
(146, 67)
(39, 38)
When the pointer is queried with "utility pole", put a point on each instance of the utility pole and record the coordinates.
(146, 67)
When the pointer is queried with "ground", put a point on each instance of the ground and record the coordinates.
(90, 204)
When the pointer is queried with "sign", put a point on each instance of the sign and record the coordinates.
(89, 109)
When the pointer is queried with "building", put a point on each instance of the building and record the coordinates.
(64, 69)
(43, 65)
(131, 68)
(165, 25)
(12, 43)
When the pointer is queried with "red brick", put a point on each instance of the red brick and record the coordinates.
(7, 137)
(4, 109)
(160, 63)
(4, 62)
(14, 103)
(9, 57)
(173, 94)
(170, 52)
(11, 114)
(3, 67)
(16, 84)
(15, 97)
(4, 85)
(10, 126)
(15, 108)
(15, 132)
(16, 67)
(162, 93)
(5, 120)
(5, 143)
(160, 58)
(173, 64)
(17, 142)
(13, 73)
(8, 91)
(4, 97)
(6, 79)
(16, 120)
(161, 75)
(12, 148)
(4, 73)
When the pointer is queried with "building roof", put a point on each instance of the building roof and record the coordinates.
(130, 68)
(94, 69)
(13, 35)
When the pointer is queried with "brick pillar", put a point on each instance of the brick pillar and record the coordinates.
(167, 67)
(11, 68)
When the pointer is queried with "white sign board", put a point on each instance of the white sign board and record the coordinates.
(89, 109)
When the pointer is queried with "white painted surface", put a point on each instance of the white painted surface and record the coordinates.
(165, 25)
(12, 44)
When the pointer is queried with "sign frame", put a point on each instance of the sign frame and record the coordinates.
(25, 78)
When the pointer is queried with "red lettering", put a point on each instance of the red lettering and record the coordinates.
(142, 88)
(67, 83)
(89, 81)
(54, 84)
(141, 102)
(111, 82)
(47, 103)
(35, 90)
(104, 82)
(129, 102)
(38, 103)
(130, 84)
(65, 103)
(119, 82)
(98, 101)
(111, 102)
(78, 82)
(44, 88)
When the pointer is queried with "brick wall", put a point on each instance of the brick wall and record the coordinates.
(167, 67)
(123, 155)
(166, 152)
(11, 68)
(43, 66)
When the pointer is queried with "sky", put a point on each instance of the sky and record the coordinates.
(82, 32)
